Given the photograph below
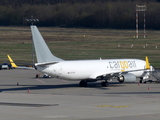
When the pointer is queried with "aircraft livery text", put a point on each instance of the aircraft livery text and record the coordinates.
(122, 64)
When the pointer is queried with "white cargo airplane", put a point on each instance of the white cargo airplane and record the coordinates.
(124, 70)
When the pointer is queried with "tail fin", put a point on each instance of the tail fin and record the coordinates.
(11, 61)
(43, 53)
(147, 63)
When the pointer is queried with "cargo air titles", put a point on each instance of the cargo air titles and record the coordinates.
(123, 65)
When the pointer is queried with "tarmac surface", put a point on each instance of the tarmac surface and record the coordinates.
(22, 96)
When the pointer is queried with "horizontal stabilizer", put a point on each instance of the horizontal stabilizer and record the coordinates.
(44, 64)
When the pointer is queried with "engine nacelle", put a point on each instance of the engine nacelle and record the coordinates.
(129, 77)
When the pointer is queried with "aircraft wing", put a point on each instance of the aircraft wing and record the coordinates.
(111, 74)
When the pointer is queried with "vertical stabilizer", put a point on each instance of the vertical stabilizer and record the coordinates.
(11, 61)
(43, 53)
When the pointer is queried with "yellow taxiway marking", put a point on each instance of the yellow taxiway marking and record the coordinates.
(104, 106)
(122, 113)
(109, 112)
(112, 106)
(121, 106)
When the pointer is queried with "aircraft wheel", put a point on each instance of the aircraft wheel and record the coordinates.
(104, 84)
(140, 81)
(83, 83)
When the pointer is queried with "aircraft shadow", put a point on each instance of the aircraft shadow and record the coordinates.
(135, 93)
(36, 87)
(41, 87)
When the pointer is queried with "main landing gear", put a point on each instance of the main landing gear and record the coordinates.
(141, 80)
(83, 83)
(104, 83)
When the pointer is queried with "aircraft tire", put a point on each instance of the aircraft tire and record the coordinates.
(83, 83)
(140, 81)
(104, 84)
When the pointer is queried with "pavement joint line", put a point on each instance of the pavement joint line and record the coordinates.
(83, 109)
(19, 116)
(145, 102)
(26, 116)
(150, 116)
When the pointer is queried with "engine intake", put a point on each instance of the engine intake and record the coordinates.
(129, 77)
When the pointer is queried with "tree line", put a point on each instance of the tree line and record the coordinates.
(116, 14)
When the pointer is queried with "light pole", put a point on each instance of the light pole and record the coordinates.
(138, 9)
(32, 20)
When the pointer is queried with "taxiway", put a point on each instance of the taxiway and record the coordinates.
(22, 96)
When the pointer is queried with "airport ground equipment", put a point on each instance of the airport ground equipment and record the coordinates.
(5, 66)
(156, 75)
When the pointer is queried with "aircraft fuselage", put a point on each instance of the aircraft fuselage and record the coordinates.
(74, 70)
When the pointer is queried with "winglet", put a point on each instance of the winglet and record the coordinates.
(11, 61)
(147, 63)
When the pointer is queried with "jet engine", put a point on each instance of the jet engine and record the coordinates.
(128, 77)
